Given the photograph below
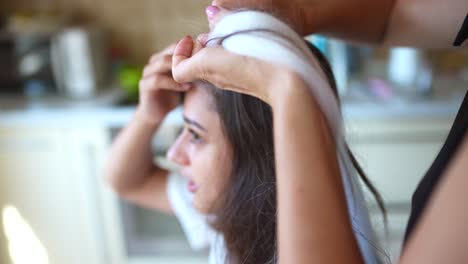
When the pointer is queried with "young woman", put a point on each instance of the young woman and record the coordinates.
(437, 230)
(226, 197)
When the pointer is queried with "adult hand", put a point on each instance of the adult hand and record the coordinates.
(159, 92)
(226, 70)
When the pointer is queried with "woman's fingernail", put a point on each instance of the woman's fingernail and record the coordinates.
(211, 11)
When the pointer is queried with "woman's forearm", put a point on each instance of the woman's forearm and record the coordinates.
(130, 159)
(313, 221)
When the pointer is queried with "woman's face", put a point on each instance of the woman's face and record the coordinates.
(202, 151)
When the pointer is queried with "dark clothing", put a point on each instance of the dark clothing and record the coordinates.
(454, 140)
(463, 34)
(432, 178)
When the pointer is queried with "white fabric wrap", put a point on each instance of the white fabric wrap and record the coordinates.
(272, 40)
(193, 223)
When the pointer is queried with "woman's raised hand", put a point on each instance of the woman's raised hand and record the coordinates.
(159, 92)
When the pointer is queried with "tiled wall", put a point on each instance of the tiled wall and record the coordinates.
(144, 26)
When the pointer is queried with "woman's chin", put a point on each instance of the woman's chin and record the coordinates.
(202, 207)
(199, 206)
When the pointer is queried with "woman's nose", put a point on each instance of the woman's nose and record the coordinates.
(177, 153)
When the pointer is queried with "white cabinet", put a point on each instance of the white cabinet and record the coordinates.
(48, 178)
(56, 204)
(52, 178)
(395, 154)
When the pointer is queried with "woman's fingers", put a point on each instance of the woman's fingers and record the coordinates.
(160, 62)
(161, 82)
(167, 51)
(161, 65)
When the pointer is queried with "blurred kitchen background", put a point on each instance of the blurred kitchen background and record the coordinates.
(68, 83)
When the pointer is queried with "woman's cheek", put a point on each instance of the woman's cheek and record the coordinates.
(205, 173)
(199, 161)
(195, 152)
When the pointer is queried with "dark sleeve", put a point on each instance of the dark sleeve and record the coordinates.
(463, 34)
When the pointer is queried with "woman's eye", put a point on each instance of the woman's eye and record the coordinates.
(195, 137)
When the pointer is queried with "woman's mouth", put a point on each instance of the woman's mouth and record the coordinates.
(192, 186)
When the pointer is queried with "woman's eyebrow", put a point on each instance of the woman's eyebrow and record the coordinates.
(194, 123)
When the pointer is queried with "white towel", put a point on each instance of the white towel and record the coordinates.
(262, 36)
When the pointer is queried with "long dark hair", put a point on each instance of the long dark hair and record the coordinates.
(246, 214)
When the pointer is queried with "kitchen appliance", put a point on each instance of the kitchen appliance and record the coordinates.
(34, 63)
(25, 49)
(25, 65)
(9, 76)
(79, 61)
(410, 71)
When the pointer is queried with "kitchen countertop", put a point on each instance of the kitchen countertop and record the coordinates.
(118, 116)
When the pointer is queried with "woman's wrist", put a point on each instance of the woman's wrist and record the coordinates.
(144, 121)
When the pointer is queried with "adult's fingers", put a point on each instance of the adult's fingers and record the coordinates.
(222, 68)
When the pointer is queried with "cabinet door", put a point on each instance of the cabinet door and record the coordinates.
(42, 200)
(395, 156)
(395, 169)
(87, 151)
